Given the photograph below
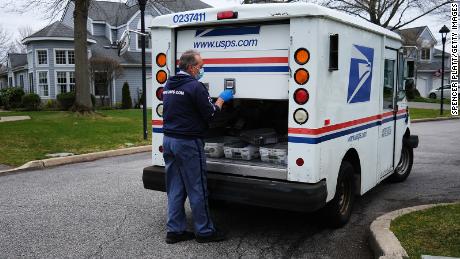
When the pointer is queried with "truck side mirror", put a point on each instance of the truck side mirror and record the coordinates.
(401, 95)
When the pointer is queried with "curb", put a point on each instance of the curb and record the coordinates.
(45, 163)
(383, 241)
(435, 119)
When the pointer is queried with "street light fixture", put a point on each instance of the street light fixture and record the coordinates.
(444, 30)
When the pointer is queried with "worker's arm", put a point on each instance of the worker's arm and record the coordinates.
(204, 102)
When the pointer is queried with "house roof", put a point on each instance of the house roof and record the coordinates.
(432, 66)
(117, 13)
(114, 13)
(438, 53)
(17, 60)
(3, 71)
(56, 30)
(103, 49)
(411, 35)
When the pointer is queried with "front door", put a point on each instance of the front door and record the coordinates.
(387, 127)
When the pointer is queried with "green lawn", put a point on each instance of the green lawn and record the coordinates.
(53, 132)
(435, 231)
(427, 113)
(429, 100)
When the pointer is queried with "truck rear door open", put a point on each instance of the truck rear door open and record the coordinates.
(251, 58)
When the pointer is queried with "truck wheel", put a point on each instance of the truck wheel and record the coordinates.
(404, 166)
(338, 210)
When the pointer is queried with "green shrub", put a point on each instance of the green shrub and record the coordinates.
(66, 100)
(31, 102)
(11, 97)
(51, 104)
(126, 101)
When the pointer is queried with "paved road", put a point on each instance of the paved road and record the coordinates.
(100, 209)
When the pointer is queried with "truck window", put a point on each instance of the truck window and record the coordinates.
(388, 84)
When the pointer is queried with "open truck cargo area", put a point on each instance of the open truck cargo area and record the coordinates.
(319, 112)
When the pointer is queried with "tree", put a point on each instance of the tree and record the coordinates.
(5, 38)
(126, 101)
(107, 67)
(24, 32)
(83, 102)
(392, 14)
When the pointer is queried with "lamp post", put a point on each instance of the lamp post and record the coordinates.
(142, 4)
(122, 48)
(444, 30)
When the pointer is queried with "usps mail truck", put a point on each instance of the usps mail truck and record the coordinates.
(319, 115)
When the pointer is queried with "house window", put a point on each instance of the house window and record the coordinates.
(72, 81)
(61, 57)
(425, 54)
(43, 83)
(62, 81)
(65, 81)
(21, 81)
(64, 57)
(42, 57)
(147, 42)
(71, 57)
(10, 81)
(31, 83)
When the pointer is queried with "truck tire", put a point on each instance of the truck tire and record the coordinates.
(404, 166)
(338, 210)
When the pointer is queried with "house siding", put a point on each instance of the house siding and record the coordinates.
(108, 31)
(98, 29)
(134, 78)
(120, 31)
(67, 19)
(133, 26)
(114, 35)
(51, 68)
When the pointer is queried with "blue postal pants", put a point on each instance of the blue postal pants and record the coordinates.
(185, 164)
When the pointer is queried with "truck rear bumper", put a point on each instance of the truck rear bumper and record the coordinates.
(254, 191)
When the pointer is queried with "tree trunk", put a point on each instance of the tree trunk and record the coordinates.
(83, 96)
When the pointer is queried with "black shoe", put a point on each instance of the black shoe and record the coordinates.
(217, 236)
(172, 237)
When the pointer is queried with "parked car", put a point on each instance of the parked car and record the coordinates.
(436, 93)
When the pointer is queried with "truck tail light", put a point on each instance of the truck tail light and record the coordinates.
(301, 76)
(161, 76)
(299, 161)
(159, 93)
(161, 60)
(301, 116)
(227, 15)
(301, 56)
(301, 96)
(160, 110)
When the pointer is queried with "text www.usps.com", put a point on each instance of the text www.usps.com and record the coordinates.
(225, 44)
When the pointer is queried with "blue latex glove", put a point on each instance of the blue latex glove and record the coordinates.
(226, 95)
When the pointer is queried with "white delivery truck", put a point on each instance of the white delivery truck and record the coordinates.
(328, 84)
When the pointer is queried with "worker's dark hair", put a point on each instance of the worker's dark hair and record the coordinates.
(188, 58)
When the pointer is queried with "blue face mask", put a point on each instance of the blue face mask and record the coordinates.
(200, 75)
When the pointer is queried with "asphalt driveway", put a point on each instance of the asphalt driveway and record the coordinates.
(100, 209)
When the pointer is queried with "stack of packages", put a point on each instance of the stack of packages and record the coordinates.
(252, 144)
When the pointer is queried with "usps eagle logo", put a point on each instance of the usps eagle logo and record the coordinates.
(360, 78)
